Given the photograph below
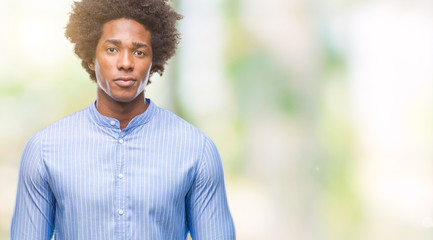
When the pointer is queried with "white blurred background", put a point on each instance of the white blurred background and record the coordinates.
(322, 110)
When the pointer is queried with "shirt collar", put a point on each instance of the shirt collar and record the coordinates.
(114, 123)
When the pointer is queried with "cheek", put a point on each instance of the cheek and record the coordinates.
(103, 65)
(100, 71)
(146, 72)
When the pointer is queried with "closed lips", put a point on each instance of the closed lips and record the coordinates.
(125, 79)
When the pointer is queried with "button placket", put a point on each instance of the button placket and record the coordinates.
(121, 210)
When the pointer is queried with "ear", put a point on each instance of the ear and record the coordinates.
(91, 65)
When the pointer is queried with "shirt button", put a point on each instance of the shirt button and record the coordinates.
(120, 175)
(120, 140)
(113, 123)
(120, 212)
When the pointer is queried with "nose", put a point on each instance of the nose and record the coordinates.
(125, 61)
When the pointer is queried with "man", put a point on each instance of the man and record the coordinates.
(122, 168)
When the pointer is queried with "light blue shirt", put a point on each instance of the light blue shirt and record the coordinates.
(83, 177)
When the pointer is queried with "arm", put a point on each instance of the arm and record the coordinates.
(33, 217)
(208, 213)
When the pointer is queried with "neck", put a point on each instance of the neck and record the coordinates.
(122, 111)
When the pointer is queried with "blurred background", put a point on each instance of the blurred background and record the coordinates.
(322, 110)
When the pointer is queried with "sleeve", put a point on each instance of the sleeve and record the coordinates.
(208, 214)
(33, 216)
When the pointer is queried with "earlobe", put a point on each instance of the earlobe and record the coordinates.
(91, 66)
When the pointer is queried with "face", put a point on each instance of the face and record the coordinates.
(123, 60)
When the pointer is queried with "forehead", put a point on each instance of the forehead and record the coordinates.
(125, 30)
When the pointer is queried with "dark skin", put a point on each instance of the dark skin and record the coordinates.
(122, 62)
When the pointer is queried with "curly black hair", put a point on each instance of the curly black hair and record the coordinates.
(87, 18)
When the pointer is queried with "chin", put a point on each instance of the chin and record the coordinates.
(125, 98)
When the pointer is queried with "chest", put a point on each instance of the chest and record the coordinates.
(120, 173)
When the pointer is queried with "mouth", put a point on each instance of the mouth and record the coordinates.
(125, 81)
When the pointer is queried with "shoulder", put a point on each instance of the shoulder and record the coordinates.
(207, 161)
(170, 122)
(69, 120)
(56, 134)
(167, 117)
(66, 124)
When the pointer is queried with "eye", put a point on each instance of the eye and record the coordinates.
(139, 53)
(111, 50)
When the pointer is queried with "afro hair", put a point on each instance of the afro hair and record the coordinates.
(87, 18)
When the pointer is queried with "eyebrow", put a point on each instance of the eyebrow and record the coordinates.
(118, 42)
(139, 45)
